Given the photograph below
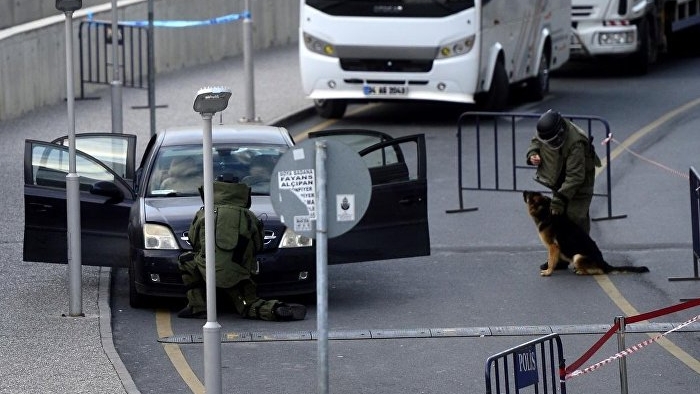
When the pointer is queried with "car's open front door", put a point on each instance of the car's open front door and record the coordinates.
(116, 151)
(395, 224)
(105, 200)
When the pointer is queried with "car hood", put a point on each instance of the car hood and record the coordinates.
(178, 212)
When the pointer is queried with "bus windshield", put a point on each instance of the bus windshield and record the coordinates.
(391, 8)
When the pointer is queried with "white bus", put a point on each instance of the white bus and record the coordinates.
(464, 51)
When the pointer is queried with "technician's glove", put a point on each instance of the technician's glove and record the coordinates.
(186, 257)
(557, 207)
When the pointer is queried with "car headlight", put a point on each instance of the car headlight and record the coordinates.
(456, 48)
(290, 239)
(319, 46)
(156, 236)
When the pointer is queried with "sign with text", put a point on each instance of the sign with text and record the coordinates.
(303, 184)
(294, 190)
(525, 367)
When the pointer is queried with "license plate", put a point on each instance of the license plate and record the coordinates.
(385, 90)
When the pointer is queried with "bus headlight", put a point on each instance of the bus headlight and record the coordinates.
(156, 236)
(617, 38)
(456, 48)
(319, 46)
(290, 239)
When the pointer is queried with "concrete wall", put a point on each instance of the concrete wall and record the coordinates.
(32, 55)
(16, 12)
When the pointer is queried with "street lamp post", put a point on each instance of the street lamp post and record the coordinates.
(209, 101)
(249, 94)
(116, 84)
(72, 178)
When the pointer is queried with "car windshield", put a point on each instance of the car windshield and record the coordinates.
(178, 170)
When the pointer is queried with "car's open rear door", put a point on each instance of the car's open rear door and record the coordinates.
(395, 224)
(105, 200)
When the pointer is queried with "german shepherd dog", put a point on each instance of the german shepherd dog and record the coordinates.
(566, 240)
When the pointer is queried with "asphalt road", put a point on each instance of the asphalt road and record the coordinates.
(482, 272)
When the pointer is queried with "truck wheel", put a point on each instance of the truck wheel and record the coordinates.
(647, 51)
(496, 98)
(330, 109)
(536, 88)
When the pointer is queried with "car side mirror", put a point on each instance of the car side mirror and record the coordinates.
(107, 189)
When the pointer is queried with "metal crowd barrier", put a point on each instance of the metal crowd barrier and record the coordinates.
(95, 39)
(511, 150)
(538, 363)
(694, 182)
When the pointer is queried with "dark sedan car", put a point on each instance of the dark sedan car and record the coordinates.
(139, 217)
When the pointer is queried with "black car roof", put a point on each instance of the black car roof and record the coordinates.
(254, 134)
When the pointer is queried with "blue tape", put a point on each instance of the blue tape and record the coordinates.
(184, 23)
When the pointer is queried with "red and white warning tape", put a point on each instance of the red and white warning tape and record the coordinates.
(639, 156)
(629, 350)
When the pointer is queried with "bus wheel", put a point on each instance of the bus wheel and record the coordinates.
(537, 87)
(646, 51)
(330, 109)
(496, 98)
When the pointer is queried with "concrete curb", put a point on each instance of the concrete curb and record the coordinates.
(105, 319)
(286, 120)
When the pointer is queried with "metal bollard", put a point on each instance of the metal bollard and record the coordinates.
(621, 347)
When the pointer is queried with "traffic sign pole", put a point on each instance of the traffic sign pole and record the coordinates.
(321, 268)
(299, 196)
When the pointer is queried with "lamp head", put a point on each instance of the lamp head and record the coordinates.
(211, 100)
(68, 5)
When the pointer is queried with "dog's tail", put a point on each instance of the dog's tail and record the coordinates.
(625, 268)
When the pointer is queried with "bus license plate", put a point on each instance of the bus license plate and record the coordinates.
(385, 90)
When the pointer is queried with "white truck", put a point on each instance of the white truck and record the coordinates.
(464, 51)
(635, 29)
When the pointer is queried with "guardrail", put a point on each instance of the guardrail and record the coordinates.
(513, 152)
(619, 328)
(694, 183)
(538, 363)
(95, 40)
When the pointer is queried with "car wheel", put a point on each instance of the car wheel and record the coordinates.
(136, 300)
(537, 87)
(330, 109)
(496, 98)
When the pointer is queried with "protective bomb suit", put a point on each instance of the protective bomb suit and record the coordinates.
(239, 236)
(566, 165)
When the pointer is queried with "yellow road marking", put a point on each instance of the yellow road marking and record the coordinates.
(627, 308)
(175, 353)
(603, 280)
(637, 135)
(178, 360)
(325, 124)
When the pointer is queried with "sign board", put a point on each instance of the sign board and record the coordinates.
(293, 189)
(525, 367)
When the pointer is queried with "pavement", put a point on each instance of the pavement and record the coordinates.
(42, 348)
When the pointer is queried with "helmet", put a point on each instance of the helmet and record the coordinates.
(550, 129)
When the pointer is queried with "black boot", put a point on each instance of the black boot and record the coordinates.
(288, 312)
(188, 313)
